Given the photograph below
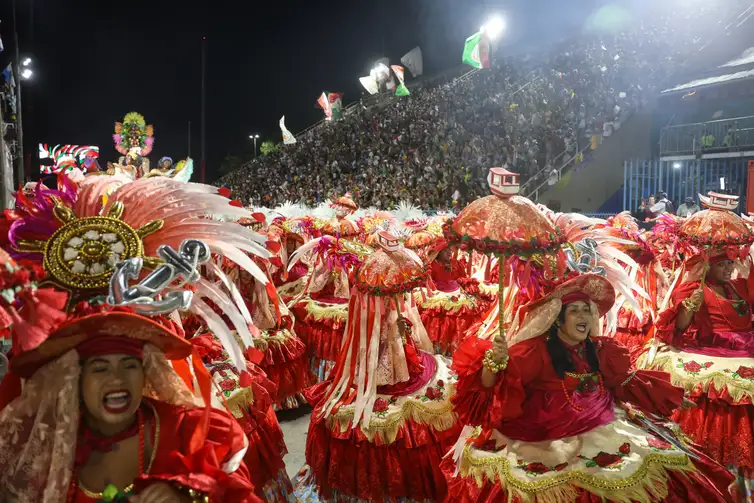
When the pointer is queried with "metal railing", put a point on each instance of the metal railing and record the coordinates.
(713, 137)
(531, 187)
(682, 179)
(533, 194)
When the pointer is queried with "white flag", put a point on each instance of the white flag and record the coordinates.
(413, 61)
(369, 83)
(288, 138)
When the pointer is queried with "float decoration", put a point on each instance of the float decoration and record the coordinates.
(133, 135)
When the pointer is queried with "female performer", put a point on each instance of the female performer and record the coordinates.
(103, 416)
(707, 329)
(551, 428)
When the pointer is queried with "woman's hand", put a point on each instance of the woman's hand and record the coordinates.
(697, 298)
(499, 355)
(403, 326)
(160, 492)
(500, 348)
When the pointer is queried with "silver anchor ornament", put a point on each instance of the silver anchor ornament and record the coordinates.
(142, 297)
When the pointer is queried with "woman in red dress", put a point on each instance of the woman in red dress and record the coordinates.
(383, 420)
(706, 328)
(550, 428)
(710, 351)
(102, 416)
(109, 403)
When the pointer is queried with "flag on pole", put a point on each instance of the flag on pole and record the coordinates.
(332, 104)
(288, 138)
(476, 51)
(413, 61)
(336, 105)
(8, 74)
(370, 83)
(402, 90)
(324, 103)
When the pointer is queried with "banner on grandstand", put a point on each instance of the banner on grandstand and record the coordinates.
(369, 83)
(336, 105)
(476, 51)
(413, 61)
(402, 90)
(288, 138)
(331, 104)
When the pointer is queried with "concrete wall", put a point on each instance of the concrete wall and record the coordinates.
(597, 180)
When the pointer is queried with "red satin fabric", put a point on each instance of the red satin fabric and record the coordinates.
(717, 329)
(322, 337)
(407, 468)
(527, 390)
(286, 365)
(202, 471)
(722, 429)
(697, 487)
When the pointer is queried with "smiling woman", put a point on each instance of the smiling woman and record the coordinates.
(554, 426)
(141, 429)
(103, 415)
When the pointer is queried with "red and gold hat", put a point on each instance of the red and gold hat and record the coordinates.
(107, 324)
(586, 287)
(81, 233)
(345, 203)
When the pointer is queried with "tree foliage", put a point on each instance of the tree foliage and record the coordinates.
(268, 147)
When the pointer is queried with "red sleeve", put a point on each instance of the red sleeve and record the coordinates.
(203, 470)
(649, 390)
(665, 327)
(745, 288)
(489, 407)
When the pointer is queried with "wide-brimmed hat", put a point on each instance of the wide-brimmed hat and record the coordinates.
(160, 332)
(588, 287)
(536, 318)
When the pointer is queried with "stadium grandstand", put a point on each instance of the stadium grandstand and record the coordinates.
(571, 122)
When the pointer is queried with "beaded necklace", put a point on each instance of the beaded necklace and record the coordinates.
(111, 493)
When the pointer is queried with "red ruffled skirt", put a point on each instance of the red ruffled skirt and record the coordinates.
(322, 338)
(446, 329)
(723, 429)
(287, 366)
(348, 463)
(264, 457)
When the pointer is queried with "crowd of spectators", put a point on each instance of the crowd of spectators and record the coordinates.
(434, 147)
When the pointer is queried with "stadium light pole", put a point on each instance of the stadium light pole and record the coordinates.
(494, 27)
(203, 165)
(254, 137)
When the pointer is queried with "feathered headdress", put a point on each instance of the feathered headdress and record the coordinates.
(133, 133)
(79, 232)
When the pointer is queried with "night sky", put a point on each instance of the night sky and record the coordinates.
(94, 61)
